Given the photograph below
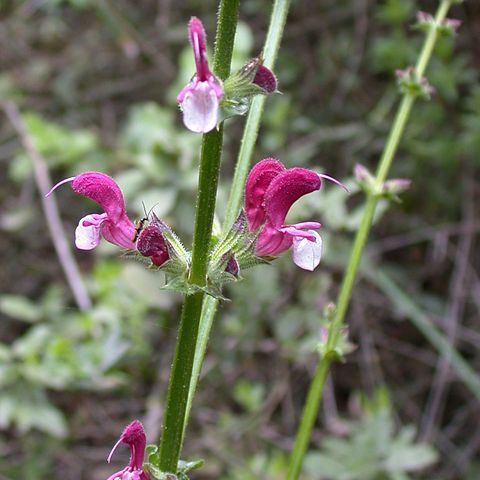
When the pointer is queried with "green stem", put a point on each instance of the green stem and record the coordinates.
(180, 377)
(210, 304)
(252, 125)
(316, 387)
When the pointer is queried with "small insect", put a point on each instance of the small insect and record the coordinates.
(139, 226)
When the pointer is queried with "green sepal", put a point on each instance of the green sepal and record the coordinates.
(411, 84)
(185, 467)
(240, 83)
(181, 284)
(342, 345)
(179, 256)
(230, 107)
(239, 90)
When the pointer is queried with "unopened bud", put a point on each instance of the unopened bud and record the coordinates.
(151, 243)
(232, 266)
(449, 27)
(410, 83)
(362, 175)
(265, 79)
(425, 22)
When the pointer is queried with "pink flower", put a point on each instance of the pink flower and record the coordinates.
(270, 191)
(199, 100)
(113, 224)
(134, 436)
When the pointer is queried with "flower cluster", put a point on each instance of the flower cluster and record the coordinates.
(270, 191)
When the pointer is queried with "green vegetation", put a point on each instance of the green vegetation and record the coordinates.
(96, 86)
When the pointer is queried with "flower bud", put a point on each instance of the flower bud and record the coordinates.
(151, 243)
(233, 268)
(411, 84)
(265, 79)
(396, 186)
(362, 174)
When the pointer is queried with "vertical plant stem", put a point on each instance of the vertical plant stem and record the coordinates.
(210, 304)
(175, 413)
(252, 125)
(316, 387)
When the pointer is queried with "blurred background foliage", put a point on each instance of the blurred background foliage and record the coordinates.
(96, 84)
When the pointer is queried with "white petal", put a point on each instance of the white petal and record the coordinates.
(88, 236)
(200, 108)
(307, 254)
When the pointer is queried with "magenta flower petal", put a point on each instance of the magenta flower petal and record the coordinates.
(285, 189)
(258, 181)
(272, 241)
(198, 39)
(293, 231)
(120, 233)
(102, 189)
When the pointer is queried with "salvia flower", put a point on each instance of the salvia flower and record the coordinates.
(113, 224)
(199, 100)
(270, 191)
(134, 436)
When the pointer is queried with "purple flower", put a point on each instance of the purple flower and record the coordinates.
(134, 436)
(270, 191)
(113, 224)
(199, 100)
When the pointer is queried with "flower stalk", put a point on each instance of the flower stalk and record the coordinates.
(316, 387)
(180, 377)
(272, 44)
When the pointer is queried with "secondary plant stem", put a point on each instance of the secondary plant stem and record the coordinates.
(180, 377)
(316, 387)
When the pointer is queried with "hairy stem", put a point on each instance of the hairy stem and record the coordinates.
(210, 304)
(180, 377)
(316, 387)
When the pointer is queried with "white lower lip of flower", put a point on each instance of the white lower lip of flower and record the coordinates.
(200, 108)
(307, 254)
(88, 236)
